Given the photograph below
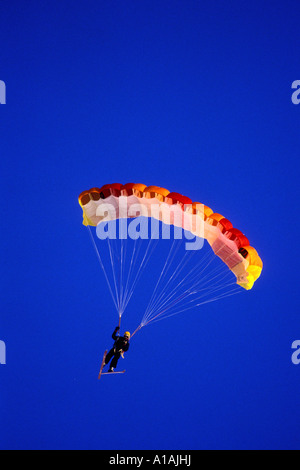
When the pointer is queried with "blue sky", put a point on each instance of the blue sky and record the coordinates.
(193, 96)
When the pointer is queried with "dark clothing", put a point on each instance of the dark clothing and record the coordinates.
(120, 342)
(114, 353)
(115, 357)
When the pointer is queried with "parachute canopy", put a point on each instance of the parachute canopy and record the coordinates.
(116, 201)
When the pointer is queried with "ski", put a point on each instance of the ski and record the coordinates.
(102, 364)
(114, 372)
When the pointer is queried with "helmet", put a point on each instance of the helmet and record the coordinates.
(127, 334)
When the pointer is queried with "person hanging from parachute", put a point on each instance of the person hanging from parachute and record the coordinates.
(121, 345)
(187, 278)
